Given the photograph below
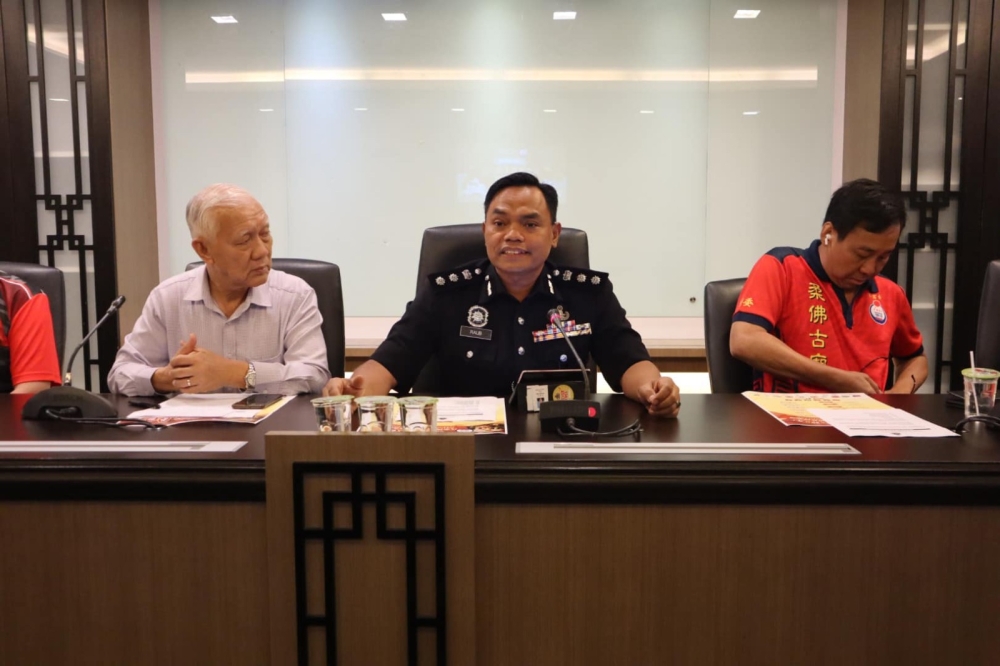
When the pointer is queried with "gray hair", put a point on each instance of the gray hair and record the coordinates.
(220, 195)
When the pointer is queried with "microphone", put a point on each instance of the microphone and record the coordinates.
(68, 374)
(65, 403)
(555, 318)
(569, 416)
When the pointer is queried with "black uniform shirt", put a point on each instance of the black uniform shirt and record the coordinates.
(483, 337)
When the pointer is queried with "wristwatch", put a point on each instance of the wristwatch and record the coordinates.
(250, 379)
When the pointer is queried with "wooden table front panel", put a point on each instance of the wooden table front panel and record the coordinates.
(737, 585)
(170, 583)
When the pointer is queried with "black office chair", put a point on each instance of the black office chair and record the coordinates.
(456, 244)
(988, 332)
(50, 281)
(725, 373)
(324, 278)
(448, 246)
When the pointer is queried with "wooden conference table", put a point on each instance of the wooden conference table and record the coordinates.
(889, 557)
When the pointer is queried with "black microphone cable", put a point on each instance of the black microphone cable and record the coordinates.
(110, 422)
(988, 419)
(633, 429)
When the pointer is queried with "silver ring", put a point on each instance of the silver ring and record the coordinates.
(189, 382)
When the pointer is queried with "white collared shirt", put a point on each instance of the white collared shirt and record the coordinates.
(277, 326)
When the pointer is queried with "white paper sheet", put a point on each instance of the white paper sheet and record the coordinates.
(119, 447)
(198, 407)
(881, 423)
(711, 448)
(469, 409)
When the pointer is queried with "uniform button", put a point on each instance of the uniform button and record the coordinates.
(563, 358)
(520, 320)
(520, 351)
(468, 354)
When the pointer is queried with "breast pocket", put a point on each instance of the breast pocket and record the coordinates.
(263, 344)
(471, 353)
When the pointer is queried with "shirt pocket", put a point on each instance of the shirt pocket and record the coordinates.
(261, 347)
(471, 353)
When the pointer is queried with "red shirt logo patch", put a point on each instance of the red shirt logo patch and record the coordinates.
(877, 312)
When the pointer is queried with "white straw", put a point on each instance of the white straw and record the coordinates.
(972, 362)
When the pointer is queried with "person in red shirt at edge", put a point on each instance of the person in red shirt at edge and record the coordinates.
(822, 319)
(28, 359)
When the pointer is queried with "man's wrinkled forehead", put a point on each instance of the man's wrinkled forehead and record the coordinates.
(234, 216)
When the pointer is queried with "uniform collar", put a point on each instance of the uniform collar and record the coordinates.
(493, 286)
(199, 290)
(811, 255)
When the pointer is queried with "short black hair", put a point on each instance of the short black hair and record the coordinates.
(521, 179)
(865, 203)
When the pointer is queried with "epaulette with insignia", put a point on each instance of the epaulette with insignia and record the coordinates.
(464, 275)
(580, 276)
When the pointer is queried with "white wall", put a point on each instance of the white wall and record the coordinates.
(653, 190)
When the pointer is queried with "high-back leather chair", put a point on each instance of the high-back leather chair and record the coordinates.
(50, 281)
(448, 246)
(988, 332)
(445, 247)
(725, 373)
(324, 278)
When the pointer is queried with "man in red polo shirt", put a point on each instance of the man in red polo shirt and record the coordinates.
(823, 319)
(28, 360)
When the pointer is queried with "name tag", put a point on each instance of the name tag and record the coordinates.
(472, 332)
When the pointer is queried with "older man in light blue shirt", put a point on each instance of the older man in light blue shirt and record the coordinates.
(232, 324)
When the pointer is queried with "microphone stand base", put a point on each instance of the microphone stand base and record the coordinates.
(69, 402)
(586, 414)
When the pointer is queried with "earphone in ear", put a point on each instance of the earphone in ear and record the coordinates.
(826, 239)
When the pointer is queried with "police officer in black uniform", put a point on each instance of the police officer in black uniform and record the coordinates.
(487, 321)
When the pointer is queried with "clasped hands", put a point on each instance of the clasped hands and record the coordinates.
(661, 397)
(196, 370)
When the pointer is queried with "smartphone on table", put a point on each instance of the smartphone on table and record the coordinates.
(258, 401)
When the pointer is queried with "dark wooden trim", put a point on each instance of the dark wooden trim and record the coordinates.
(602, 482)
(101, 186)
(891, 109)
(748, 485)
(18, 212)
(133, 485)
(972, 252)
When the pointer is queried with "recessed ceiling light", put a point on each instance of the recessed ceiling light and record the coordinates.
(394, 17)
(266, 110)
(750, 113)
(458, 109)
(647, 111)
(548, 110)
(225, 19)
(361, 108)
(563, 16)
(746, 13)
(62, 99)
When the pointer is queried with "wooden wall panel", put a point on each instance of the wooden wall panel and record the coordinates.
(133, 583)
(134, 174)
(863, 83)
(737, 585)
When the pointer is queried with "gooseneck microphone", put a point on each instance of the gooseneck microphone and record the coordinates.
(570, 416)
(115, 305)
(577, 418)
(65, 403)
(555, 318)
